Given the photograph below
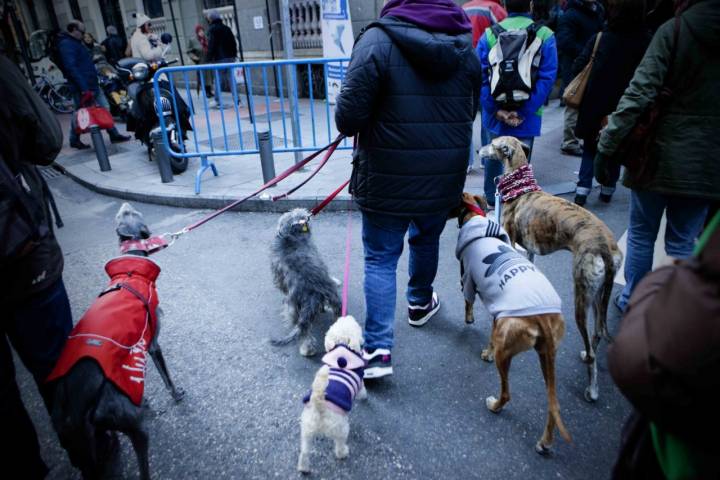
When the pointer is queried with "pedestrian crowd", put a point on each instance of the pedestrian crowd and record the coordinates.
(416, 81)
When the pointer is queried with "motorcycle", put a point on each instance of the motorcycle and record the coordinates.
(113, 87)
(143, 115)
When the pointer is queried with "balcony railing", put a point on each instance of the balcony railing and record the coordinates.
(305, 23)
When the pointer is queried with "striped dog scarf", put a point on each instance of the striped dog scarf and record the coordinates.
(517, 183)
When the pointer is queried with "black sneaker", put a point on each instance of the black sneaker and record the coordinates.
(79, 145)
(119, 138)
(606, 198)
(418, 315)
(379, 362)
(580, 199)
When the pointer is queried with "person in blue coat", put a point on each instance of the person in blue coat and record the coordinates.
(525, 122)
(79, 69)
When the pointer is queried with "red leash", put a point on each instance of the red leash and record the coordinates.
(159, 242)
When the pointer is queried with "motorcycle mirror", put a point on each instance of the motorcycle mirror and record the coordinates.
(166, 38)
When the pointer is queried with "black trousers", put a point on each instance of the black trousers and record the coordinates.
(37, 329)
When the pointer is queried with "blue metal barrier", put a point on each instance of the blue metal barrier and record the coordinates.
(296, 137)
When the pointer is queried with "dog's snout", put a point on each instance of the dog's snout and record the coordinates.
(487, 152)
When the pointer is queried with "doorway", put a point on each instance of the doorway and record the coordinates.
(111, 15)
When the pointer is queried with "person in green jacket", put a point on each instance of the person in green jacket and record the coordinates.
(686, 145)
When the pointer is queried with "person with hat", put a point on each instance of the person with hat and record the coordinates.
(144, 43)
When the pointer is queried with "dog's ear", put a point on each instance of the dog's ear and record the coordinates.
(481, 201)
(525, 149)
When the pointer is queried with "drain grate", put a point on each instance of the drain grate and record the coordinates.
(49, 173)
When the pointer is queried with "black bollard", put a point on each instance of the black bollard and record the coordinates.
(100, 150)
(267, 161)
(162, 158)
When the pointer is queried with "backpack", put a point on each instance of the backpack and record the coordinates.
(514, 62)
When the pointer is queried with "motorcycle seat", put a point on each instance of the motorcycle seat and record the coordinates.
(128, 63)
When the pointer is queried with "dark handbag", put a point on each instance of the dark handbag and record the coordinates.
(666, 356)
(635, 151)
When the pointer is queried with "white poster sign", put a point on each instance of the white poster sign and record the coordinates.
(338, 41)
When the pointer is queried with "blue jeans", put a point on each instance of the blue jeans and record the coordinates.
(685, 218)
(223, 82)
(102, 101)
(587, 165)
(494, 168)
(383, 239)
(37, 329)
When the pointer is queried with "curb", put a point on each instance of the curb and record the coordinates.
(341, 203)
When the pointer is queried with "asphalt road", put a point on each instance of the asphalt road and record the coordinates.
(239, 418)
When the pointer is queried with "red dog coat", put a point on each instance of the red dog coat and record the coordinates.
(117, 329)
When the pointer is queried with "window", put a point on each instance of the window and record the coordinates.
(75, 10)
(216, 3)
(153, 8)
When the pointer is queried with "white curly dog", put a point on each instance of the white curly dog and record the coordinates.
(334, 388)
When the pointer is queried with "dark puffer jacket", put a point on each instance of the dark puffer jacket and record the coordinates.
(77, 63)
(412, 97)
(582, 19)
(221, 42)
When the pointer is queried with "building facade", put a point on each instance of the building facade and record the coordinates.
(258, 21)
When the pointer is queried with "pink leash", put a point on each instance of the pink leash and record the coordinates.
(346, 273)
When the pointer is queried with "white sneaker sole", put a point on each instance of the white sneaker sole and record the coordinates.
(378, 372)
(424, 320)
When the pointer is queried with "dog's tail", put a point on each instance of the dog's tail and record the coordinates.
(549, 359)
(319, 385)
(290, 337)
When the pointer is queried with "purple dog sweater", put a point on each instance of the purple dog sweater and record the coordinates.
(343, 383)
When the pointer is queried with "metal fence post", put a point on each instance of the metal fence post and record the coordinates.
(100, 150)
(162, 158)
(267, 161)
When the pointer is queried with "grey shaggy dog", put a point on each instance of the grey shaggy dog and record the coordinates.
(300, 273)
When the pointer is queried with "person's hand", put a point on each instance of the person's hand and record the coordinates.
(87, 98)
(509, 118)
(601, 166)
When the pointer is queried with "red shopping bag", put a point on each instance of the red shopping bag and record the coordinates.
(89, 116)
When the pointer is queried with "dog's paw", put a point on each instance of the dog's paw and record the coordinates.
(585, 357)
(336, 281)
(591, 394)
(178, 394)
(303, 464)
(487, 355)
(469, 319)
(342, 452)
(490, 403)
(542, 449)
(307, 349)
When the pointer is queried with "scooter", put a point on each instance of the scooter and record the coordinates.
(114, 88)
(143, 115)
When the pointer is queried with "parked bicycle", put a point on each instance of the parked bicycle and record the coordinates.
(57, 95)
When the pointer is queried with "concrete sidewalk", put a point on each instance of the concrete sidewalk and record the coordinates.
(134, 177)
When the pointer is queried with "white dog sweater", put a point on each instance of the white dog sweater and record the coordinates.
(507, 282)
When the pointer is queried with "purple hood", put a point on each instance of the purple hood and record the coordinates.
(431, 15)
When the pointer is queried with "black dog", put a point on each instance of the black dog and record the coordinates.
(99, 377)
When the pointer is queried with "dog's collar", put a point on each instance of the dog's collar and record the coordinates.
(148, 245)
(517, 183)
(464, 206)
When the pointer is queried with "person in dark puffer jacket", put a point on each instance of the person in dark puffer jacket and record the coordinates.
(410, 94)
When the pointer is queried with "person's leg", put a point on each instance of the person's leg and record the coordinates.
(585, 176)
(22, 454)
(570, 143)
(685, 220)
(73, 137)
(423, 239)
(529, 141)
(646, 209)
(102, 101)
(383, 238)
(38, 330)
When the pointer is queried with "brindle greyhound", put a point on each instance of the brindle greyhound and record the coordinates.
(542, 224)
